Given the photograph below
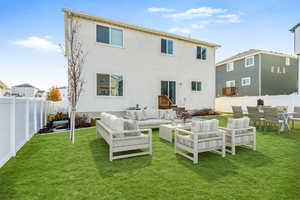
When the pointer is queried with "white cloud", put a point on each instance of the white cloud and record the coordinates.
(196, 12)
(160, 10)
(180, 30)
(38, 43)
(230, 19)
(200, 24)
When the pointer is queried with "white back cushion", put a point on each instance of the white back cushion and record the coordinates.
(151, 114)
(238, 123)
(139, 115)
(205, 125)
(170, 115)
(131, 114)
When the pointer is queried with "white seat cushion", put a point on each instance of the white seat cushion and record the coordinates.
(142, 139)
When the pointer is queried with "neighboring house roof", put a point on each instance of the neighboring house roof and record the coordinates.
(252, 52)
(26, 85)
(64, 87)
(294, 28)
(137, 28)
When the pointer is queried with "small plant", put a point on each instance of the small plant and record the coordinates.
(260, 102)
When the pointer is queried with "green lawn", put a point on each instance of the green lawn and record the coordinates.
(49, 167)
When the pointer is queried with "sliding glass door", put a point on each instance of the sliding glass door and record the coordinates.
(169, 88)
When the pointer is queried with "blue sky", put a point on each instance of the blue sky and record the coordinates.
(31, 30)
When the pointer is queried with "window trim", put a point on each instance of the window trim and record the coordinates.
(230, 81)
(167, 54)
(108, 96)
(201, 88)
(109, 45)
(287, 61)
(201, 47)
(246, 65)
(227, 67)
(246, 78)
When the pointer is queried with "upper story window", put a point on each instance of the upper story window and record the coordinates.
(229, 67)
(246, 81)
(196, 86)
(201, 53)
(272, 69)
(109, 85)
(166, 46)
(249, 61)
(287, 61)
(109, 35)
(230, 83)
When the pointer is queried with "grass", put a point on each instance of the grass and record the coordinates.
(49, 167)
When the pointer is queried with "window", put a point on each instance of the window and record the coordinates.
(278, 70)
(196, 86)
(109, 85)
(230, 83)
(166, 46)
(229, 67)
(287, 61)
(109, 35)
(246, 81)
(249, 61)
(201, 53)
(272, 69)
(283, 70)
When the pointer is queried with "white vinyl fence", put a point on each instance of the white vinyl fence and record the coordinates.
(224, 104)
(20, 119)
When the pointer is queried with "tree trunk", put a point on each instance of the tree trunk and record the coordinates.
(72, 126)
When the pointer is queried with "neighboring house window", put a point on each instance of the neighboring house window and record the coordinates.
(246, 81)
(278, 70)
(230, 67)
(272, 69)
(283, 70)
(249, 61)
(230, 83)
(109, 85)
(166, 46)
(201, 53)
(287, 61)
(109, 35)
(196, 86)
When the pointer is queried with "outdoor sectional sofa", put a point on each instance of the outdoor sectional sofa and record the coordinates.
(151, 118)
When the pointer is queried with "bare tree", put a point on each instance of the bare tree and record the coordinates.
(75, 61)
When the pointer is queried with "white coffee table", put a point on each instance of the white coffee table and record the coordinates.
(166, 131)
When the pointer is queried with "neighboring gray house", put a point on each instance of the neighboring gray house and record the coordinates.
(255, 73)
(296, 31)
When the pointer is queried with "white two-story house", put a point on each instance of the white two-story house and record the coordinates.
(128, 65)
(296, 31)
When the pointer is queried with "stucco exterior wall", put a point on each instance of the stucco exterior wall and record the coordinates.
(278, 82)
(143, 67)
(239, 72)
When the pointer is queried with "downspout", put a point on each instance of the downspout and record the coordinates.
(259, 75)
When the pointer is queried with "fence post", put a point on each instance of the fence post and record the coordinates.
(27, 119)
(34, 116)
(13, 126)
(41, 114)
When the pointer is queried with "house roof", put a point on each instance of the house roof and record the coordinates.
(294, 28)
(27, 85)
(3, 85)
(251, 52)
(137, 28)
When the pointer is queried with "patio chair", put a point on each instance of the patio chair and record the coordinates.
(202, 136)
(237, 111)
(255, 115)
(272, 117)
(295, 117)
(239, 133)
(282, 109)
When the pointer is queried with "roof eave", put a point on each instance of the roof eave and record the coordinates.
(139, 28)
